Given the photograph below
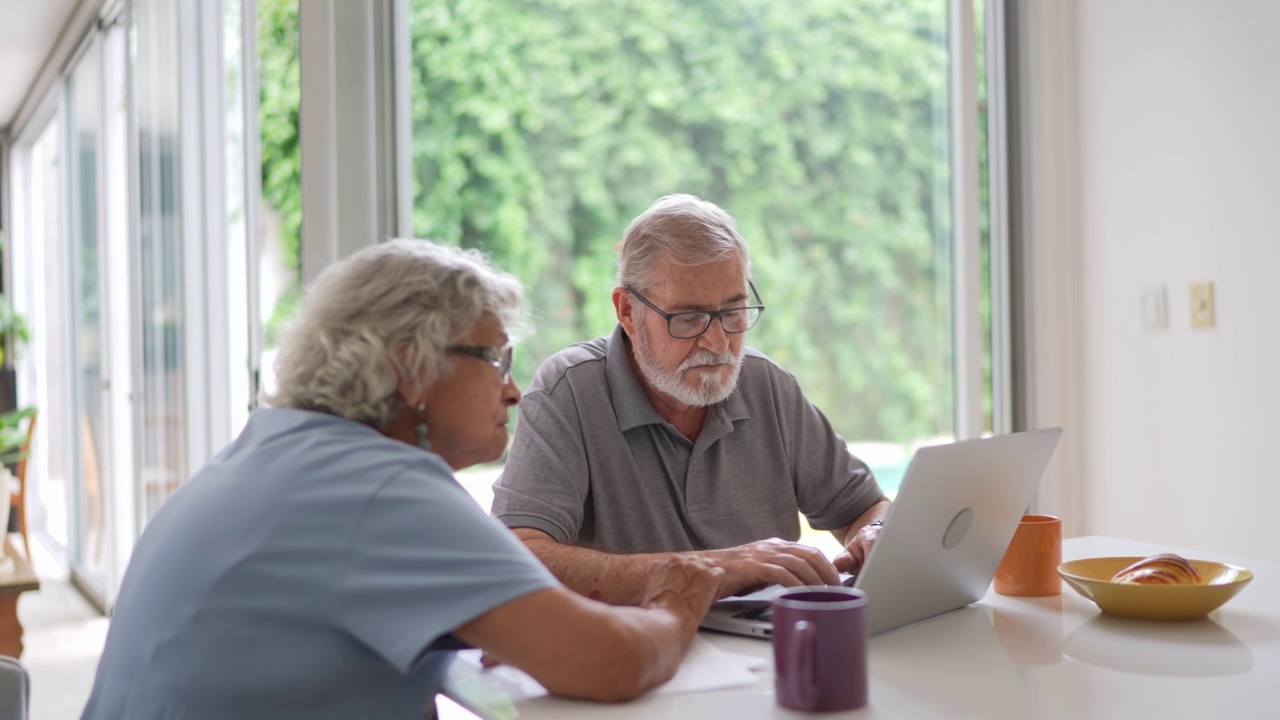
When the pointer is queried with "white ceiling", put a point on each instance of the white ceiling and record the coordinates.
(28, 31)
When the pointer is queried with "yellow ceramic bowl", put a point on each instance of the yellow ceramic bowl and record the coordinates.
(1091, 577)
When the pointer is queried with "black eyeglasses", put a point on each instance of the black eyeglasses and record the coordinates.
(687, 325)
(497, 356)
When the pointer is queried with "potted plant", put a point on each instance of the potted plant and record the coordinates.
(14, 334)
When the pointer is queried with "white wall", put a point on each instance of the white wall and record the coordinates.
(1177, 117)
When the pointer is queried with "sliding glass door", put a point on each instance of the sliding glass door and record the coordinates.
(88, 342)
(38, 273)
(136, 258)
(92, 393)
(158, 117)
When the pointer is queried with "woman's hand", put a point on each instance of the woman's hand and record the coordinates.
(685, 585)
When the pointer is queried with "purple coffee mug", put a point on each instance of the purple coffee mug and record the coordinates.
(820, 648)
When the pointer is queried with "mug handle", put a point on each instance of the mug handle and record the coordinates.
(800, 656)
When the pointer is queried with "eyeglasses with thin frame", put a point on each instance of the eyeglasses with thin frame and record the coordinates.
(692, 324)
(499, 356)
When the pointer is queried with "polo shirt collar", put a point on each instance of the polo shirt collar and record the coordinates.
(631, 403)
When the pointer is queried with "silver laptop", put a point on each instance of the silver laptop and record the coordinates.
(942, 540)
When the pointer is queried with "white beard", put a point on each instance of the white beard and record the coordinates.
(709, 392)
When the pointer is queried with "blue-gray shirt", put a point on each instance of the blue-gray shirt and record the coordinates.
(594, 464)
(303, 573)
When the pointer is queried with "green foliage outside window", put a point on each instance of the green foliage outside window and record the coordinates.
(541, 127)
(279, 93)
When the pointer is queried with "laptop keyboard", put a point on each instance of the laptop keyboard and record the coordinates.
(763, 613)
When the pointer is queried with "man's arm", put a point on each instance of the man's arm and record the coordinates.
(858, 536)
(620, 579)
(579, 648)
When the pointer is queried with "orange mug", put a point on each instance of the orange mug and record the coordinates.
(1030, 565)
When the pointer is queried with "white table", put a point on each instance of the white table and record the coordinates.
(1009, 658)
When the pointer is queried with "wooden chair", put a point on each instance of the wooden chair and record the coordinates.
(18, 495)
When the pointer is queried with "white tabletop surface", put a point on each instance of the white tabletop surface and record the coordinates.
(1006, 657)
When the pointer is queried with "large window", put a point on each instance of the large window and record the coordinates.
(541, 128)
(534, 131)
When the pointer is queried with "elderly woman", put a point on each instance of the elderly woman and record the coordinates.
(312, 568)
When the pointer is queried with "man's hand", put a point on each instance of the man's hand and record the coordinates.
(857, 543)
(770, 562)
(624, 579)
(855, 552)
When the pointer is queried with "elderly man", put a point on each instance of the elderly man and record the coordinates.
(671, 436)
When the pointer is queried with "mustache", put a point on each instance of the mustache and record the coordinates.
(706, 357)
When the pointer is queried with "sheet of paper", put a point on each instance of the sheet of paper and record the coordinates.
(705, 667)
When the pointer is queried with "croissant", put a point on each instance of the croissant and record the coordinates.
(1162, 569)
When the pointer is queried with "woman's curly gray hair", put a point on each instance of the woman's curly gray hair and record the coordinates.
(386, 312)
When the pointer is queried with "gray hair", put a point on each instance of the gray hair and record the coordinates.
(385, 312)
(681, 230)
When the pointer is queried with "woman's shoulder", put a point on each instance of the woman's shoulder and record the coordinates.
(319, 444)
(279, 420)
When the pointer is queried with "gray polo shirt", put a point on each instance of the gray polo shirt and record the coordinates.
(593, 463)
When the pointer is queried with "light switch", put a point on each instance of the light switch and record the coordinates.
(1155, 315)
(1202, 314)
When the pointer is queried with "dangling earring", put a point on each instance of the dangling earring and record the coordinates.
(421, 429)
